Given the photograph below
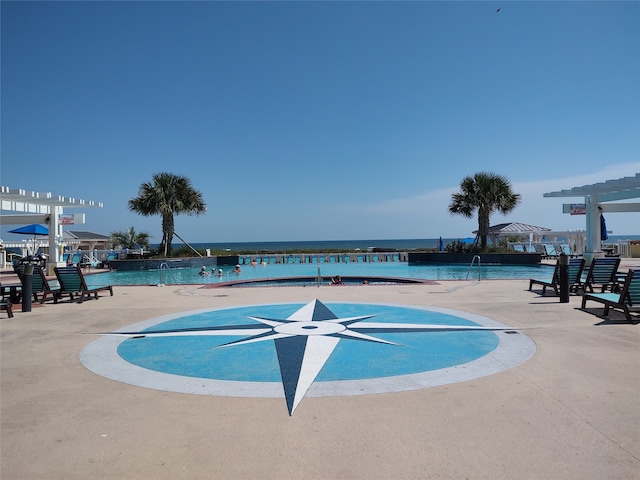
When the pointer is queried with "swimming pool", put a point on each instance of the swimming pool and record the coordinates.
(271, 271)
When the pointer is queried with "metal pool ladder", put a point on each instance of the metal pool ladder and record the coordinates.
(471, 266)
(166, 266)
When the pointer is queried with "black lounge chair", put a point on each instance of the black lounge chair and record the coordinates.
(576, 266)
(602, 274)
(72, 283)
(39, 283)
(5, 303)
(627, 300)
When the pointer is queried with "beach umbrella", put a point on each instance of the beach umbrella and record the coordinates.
(603, 228)
(33, 229)
(440, 245)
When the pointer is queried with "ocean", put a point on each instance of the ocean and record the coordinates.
(340, 245)
(317, 245)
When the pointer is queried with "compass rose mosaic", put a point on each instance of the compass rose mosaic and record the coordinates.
(296, 351)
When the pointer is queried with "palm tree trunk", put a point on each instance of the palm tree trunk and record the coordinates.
(167, 232)
(483, 227)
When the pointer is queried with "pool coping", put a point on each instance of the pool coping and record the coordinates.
(349, 280)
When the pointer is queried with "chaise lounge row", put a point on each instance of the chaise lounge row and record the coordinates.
(614, 291)
(71, 282)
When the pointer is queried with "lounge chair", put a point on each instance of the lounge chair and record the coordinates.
(74, 259)
(576, 265)
(566, 249)
(110, 257)
(628, 299)
(602, 274)
(549, 251)
(5, 303)
(39, 283)
(72, 283)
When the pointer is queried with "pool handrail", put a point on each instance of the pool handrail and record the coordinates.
(471, 266)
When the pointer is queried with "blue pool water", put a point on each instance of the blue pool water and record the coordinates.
(382, 269)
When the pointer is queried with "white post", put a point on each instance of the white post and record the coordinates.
(55, 232)
(593, 228)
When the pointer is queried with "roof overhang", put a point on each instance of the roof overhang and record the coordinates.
(514, 228)
(19, 200)
(609, 191)
(596, 197)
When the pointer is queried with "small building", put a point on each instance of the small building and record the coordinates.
(80, 240)
(521, 231)
(532, 234)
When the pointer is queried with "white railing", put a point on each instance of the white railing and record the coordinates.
(475, 257)
(165, 266)
(623, 248)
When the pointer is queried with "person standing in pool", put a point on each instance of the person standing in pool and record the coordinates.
(237, 269)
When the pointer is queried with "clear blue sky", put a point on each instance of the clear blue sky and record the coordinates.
(320, 120)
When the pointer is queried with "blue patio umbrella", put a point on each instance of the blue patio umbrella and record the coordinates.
(440, 245)
(603, 228)
(33, 229)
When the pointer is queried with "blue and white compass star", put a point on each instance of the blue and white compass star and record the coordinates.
(305, 340)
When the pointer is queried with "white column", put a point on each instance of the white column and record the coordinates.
(593, 227)
(55, 230)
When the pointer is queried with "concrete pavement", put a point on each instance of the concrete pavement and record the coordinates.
(572, 411)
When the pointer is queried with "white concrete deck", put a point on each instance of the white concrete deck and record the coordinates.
(570, 412)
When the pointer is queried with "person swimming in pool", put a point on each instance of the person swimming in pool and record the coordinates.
(203, 271)
(237, 269)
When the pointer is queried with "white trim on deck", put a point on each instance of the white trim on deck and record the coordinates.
(41, 208)
(595, 197)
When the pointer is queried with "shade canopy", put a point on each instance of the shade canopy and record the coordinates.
(33, 229)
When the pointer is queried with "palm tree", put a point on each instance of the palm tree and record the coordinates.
(129, 238)
(486, 192)
(167, 195)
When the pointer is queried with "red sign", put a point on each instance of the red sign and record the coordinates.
(578, 209)
(65, 219)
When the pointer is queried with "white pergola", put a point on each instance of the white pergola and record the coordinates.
(42, 208)
(598, 196)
